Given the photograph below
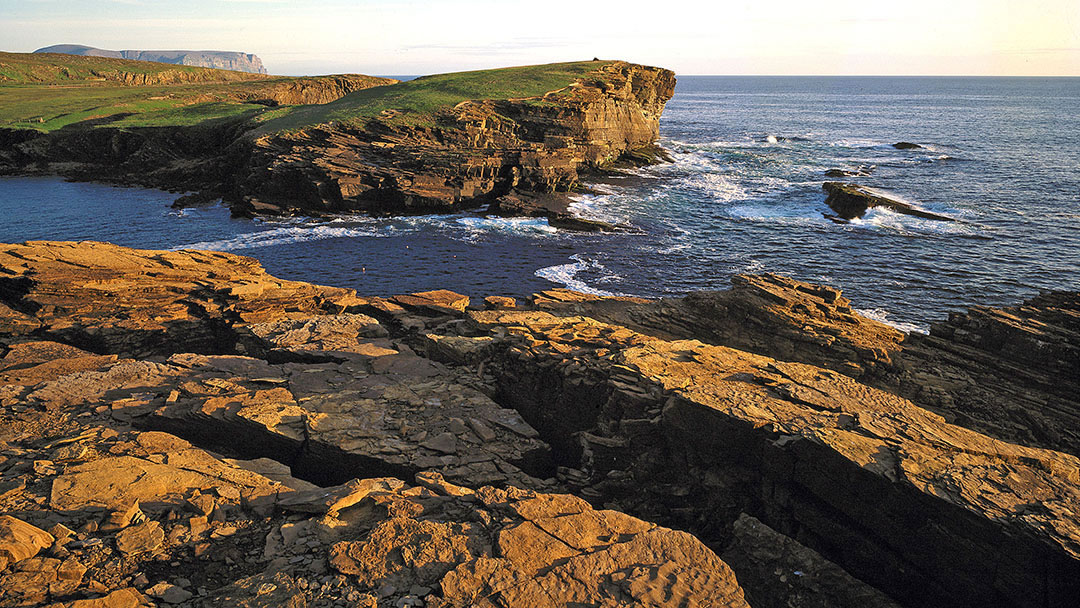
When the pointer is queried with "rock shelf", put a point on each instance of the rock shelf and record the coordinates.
(180, 428)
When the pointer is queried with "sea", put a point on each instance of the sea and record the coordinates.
(743, 195)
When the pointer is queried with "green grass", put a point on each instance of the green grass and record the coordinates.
(46, 92)
(185, 116)
(418, 100)
(47, 108)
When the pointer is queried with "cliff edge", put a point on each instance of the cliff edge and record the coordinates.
(219, 60)
(363, 154)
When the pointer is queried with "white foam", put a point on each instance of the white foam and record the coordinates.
(515, 224)
(600, 208)
(676, 248)
(283, 236)
(753, 267)
(475, 227)
(720, 188)
(884, 218)
(790, 215)
(565, 275)
(882, 316)
(856, 142)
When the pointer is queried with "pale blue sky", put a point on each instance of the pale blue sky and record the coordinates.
(988, 37)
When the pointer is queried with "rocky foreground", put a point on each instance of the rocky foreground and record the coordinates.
(181, 428)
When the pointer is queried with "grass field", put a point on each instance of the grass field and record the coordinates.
(46, 92)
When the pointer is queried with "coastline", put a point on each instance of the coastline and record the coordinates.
(770, 442)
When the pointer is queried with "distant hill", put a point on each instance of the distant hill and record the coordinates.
(222, 60)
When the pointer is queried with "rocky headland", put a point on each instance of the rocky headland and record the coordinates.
(219, 60)
(514, 139)
(182, 428)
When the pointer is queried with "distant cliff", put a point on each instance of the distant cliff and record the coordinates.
(222, 60)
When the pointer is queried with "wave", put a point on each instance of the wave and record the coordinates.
(566, 275)
(519, 226)
(602, 208)
(284, 236)
(878, 218)
(882, 316)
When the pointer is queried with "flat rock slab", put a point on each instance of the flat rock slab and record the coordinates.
(399, 417)
(138, 302)
(334, 499)
(113, 483)
(812, 432)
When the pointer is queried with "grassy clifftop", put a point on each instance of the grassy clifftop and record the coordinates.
(46, 92)
(417, 100)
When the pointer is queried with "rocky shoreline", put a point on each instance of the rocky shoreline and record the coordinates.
(182, 428)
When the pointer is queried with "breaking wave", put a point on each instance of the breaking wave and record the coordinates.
(566, 275)
(882, 316)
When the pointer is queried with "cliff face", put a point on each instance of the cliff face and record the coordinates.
(476, 151)
(222, 60)
(132, 363)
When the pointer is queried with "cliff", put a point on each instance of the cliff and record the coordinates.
(497, 137)
(220, 60)
(458, 155)
(275, 441)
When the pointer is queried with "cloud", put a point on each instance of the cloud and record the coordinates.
(498, 46)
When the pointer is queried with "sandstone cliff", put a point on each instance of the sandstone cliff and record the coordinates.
(474, 151)
(221, 60)
(436, 144)
(177, 407)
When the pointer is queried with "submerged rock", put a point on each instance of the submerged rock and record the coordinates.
(906, 145)
(860, 171)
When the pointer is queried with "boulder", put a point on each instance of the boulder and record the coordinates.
(20, 540)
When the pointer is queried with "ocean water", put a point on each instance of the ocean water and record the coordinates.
(743, 196)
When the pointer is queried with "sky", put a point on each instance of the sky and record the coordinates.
(855, 37)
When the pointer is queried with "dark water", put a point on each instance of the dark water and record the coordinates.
(744, 195)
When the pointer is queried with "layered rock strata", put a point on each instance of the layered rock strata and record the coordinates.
(324, 447)
(475, 151)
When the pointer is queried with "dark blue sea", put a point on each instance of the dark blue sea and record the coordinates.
(743, 196)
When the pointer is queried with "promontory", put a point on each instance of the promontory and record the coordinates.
(507, 138)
